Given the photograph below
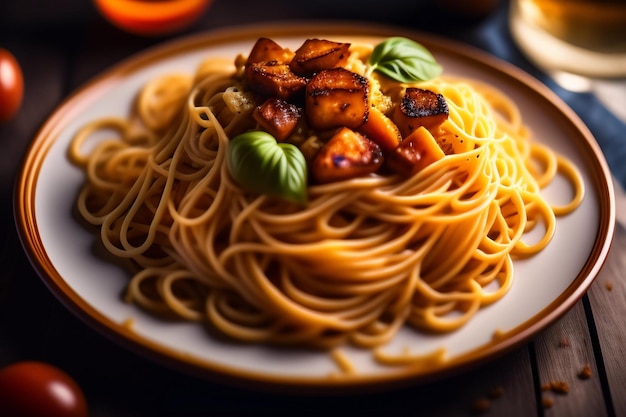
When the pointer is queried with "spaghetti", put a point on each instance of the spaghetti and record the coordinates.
(362, 258)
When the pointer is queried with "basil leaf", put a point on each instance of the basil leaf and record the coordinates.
(261, 165)
(404, 60)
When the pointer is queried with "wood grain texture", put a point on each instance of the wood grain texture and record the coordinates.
(564, 354)
(607, 298)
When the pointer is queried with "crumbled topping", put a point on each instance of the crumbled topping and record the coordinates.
(585, 373)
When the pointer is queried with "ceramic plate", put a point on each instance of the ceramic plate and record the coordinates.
(546, 286)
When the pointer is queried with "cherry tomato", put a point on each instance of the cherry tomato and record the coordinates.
(152, 17)
(11, 85)
(37, 389)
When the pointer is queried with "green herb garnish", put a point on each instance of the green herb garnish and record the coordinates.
(261, 165)
(404, 60)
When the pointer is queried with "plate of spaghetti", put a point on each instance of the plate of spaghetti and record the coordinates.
(325, 205)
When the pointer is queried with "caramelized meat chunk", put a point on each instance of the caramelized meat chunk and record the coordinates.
(266, 50)
(417, 151)
(277, 117)
(420, 107)
(315, 55)
(273, 79)
(337, 97)
(347, 154)
(381, 129)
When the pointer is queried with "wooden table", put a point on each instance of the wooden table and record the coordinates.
(64, 43)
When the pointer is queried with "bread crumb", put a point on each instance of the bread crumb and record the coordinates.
(128, 323)
(560, 387)
(496, 392)
(608, 285)
(585, 373)
(563, 343)
(482, 405)
(547, 402)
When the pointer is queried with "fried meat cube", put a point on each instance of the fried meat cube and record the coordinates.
(315, 55)
(266, 50)
(337, 97)
(416, 152)
(381, 129)
(273, 79)
(277, 117)
(347, 154)
(419, 107)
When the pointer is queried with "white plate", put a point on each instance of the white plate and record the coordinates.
(545, 286)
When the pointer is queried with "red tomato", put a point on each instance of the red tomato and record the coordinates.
(152, 17)
(11, 85)
(36, 389)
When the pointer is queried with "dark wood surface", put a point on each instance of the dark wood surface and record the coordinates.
(62, 44)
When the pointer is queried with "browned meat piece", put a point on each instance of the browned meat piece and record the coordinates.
(272, 79)
(416, 151)
(420, 107)
(346, 155)
(381, 130)
(277, 117)
(266, 50)
(335, 98)
(319, 54)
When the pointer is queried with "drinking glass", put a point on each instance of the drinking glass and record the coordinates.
(575, 38)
